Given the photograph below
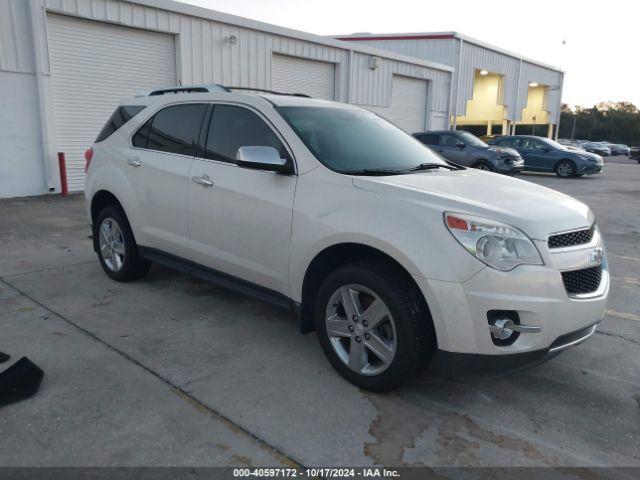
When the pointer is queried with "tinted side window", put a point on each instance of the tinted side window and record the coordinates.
(532, 144)
(175, 129)
(428, 138)
(140, 138)
(235, 127)
(507, 142)
(118, 118)
(450, 140)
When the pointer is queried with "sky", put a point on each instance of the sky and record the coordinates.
(596, 43)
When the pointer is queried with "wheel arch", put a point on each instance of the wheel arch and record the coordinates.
(333, 257)
(100, 200)
(476, 163)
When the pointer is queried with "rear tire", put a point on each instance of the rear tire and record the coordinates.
(392, 318)
(566, 169)
(117, 249)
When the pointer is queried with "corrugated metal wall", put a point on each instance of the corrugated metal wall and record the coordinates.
(205, 55)
(477, 57)
(16, 44)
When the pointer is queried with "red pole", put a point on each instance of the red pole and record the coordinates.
(63, 174)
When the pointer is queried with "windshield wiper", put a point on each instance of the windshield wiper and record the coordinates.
(374, 171)
(388, 171)
(433, 166)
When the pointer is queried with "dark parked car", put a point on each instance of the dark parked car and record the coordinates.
(544, 155)
(594, 147)
(635, 153)
(616, 148)
(464, 148)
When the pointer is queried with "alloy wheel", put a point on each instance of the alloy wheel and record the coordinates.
(565, 169)
(361, 329)
(111, 243)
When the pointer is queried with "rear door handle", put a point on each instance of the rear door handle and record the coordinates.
(204, 180)
(134, 162)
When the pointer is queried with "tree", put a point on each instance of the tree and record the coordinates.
(617, 122)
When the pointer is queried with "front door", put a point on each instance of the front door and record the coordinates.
(240, 218)
(454, 149)
(537, 155)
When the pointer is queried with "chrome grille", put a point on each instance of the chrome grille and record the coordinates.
(569, 239)
(586, 280)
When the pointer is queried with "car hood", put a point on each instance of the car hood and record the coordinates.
(536, 210)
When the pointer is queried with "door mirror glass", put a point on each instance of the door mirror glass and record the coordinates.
(263, 158)
(460, 144)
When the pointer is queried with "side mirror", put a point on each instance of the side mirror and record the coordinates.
(262, 158)
(460, 145)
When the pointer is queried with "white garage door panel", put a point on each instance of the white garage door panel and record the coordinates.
(408, 103)
(299, 75)
(95, 66)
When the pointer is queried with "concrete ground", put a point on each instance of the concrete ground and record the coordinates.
(172, 371)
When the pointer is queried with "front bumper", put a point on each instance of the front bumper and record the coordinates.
(510, 168)
(536, 293)
(590, 169)
(471, 366)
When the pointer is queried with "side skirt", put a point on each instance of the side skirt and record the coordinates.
(218, 278)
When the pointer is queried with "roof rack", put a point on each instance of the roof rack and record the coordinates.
(202, 88)
(262, 90)
(212, 88)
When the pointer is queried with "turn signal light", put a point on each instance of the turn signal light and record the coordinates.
(457, 223)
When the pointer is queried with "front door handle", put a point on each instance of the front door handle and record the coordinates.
(134, 162)
(204, 180)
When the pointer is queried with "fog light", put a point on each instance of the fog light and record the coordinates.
(505, 327)
(502, 329)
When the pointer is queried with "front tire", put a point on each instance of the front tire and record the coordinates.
(484, 165)
(117, 249)
(373, 325)
(566, 169)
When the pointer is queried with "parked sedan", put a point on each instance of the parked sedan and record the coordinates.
(617, 148)
(596, 148)
(544, 155)
(466, 149)
(635, 153)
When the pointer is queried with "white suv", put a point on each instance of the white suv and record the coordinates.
(392, 255)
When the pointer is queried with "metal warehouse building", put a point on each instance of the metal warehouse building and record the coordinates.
(66, 64)
(493, 91)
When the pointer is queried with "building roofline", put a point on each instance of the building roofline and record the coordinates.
(226, 18)
(441, 36)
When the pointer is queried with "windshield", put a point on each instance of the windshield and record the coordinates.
(472, 140)
(350, 140)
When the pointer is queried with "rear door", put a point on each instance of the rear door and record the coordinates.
(159, 164)
(240, 218)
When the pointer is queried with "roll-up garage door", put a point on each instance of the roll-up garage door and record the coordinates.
(299, 75)
(95, 66)
(408, 103)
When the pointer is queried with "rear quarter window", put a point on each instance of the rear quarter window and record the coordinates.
(118, 118)
(173, 129)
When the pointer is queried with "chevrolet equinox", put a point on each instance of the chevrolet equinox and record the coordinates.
(393, 256)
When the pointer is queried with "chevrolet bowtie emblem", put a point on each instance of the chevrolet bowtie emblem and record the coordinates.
(597, 255)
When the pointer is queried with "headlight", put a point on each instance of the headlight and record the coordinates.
(590, 158)
(497, 244)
